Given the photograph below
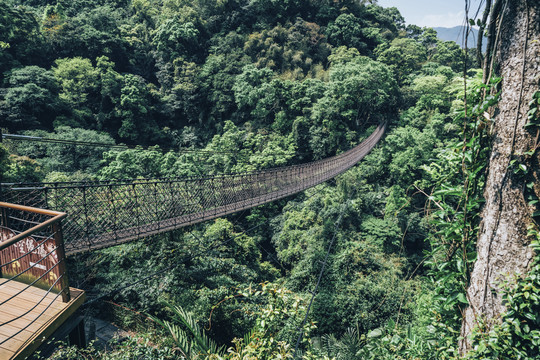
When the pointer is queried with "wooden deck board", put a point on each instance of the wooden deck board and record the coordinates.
(16, 286)
(25, 300)
(32, 330)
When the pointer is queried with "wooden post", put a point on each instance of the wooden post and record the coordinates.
(60, 252)
(1, 174)
(5, 218)
(77, 336)
(4, 223)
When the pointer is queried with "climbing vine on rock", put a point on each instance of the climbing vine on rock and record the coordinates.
(455, 203)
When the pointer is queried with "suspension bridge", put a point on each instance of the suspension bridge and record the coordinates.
(52, 221)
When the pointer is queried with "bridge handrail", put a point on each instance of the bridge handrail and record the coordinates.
(102, 215)
(32, 257)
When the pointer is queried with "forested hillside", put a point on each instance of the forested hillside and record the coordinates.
(199, 87)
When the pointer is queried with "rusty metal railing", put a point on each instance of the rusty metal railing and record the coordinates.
(31, 255)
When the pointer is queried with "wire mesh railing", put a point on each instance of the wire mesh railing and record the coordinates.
(104, 214)
(31, 256)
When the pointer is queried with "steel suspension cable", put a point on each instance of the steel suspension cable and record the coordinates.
(337, 224)
(17, 137)
(107, 214)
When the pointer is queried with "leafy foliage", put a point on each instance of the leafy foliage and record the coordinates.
(456, 217)
(204, 87)
(31, 100)
(518, 335)
(191, 342)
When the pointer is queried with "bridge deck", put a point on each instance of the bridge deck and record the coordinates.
(55, 312)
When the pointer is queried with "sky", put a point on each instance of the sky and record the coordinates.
(433, 13)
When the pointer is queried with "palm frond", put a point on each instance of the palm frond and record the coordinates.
(179, 336)
(193, 341)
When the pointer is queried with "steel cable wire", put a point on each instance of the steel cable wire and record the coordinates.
(215, 196)
(186, 258)
(16, 137)
(107, 214)
(337, 224)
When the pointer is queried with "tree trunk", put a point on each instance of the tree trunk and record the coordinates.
(502, 239)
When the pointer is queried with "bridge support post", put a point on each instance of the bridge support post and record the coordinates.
(86, 223)
(157, 206)
(77, 335)
(60, 252)
(112, 201)
(138, 211)
(4, 218)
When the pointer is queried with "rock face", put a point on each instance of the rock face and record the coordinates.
(502, 240)
(103, 332)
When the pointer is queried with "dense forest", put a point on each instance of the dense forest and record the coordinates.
(246, 85)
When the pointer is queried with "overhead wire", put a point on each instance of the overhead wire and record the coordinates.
(181, 150)
(337, 225)
(117, 181)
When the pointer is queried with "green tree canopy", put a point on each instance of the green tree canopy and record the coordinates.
(404, 55)
(31, 99)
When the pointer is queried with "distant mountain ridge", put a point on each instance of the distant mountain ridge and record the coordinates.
(456, 34)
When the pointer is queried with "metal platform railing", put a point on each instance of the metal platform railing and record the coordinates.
(31, 256)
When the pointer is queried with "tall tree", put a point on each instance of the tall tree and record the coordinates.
(502, 246)
(30, 99)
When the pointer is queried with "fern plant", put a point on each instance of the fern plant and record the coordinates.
(346, 348)
(190, 339)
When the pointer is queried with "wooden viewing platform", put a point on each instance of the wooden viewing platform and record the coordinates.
(36, 302)
(38, 328)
